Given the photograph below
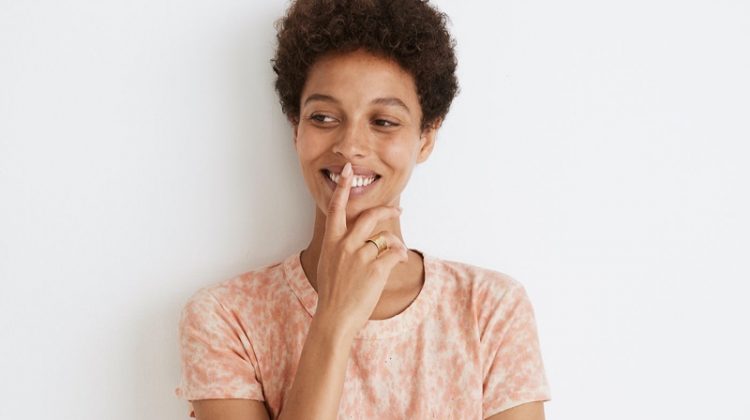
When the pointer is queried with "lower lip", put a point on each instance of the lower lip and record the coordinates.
(354, 191)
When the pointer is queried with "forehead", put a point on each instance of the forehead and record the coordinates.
(359, 77)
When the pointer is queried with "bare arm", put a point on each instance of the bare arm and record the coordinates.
(229, 409)
(316, 392)
(529, 411)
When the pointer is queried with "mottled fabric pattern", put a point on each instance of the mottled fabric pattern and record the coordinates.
(466, 347)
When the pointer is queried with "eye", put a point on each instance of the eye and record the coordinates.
(385, 123)
(322, 118)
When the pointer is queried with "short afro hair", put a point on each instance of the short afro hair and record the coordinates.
(410, 32)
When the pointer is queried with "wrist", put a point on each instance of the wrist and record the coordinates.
(331, 329)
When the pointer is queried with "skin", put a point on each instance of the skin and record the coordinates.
(362, 110)
(352, 126)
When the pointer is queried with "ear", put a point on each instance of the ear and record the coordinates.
(427, 140)
(294, 122)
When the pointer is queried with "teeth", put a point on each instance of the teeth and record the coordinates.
(357, 181)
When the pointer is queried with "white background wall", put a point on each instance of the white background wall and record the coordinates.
(598, 152)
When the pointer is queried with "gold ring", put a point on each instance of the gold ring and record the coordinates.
(380, 243)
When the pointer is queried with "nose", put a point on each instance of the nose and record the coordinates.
(352, 142)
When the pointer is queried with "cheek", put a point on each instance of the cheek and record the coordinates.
(307, 149)
(399, 157)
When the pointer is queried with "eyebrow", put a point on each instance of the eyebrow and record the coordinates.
(389, 101)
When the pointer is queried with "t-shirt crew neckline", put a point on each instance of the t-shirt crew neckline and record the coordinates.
(407, 320)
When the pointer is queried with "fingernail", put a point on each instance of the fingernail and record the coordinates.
(347, 172)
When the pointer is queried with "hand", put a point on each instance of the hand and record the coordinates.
(351, 275)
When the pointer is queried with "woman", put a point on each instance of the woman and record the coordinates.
(357, 325)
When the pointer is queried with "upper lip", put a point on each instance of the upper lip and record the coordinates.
(358, 170)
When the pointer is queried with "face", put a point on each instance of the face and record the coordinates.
(363, 109)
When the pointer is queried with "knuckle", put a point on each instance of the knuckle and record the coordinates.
(366, 214)
(350, 247)
(377, 268)
(332, 206)
(362, 257)
(377, 213)
(393, 241)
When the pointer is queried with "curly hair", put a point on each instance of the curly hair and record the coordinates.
(411, 32)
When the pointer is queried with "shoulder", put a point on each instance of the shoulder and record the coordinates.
(485, 283)
(239, 291)
(490, 293)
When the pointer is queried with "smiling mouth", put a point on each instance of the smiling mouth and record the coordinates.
(358, 181)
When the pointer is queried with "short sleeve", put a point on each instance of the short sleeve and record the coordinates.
(217, 359)
(512, 360)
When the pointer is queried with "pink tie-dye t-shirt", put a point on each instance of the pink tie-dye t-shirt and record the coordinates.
(465, 348)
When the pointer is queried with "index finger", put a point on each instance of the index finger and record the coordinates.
(336, 218)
